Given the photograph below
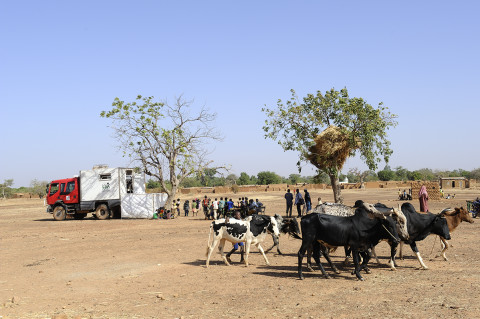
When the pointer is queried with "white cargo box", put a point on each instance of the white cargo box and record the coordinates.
(105, 183)
(142, 205)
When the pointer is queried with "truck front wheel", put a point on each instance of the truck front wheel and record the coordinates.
(59, 213)
(102, 212)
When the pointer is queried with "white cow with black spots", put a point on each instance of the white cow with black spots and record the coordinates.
(251, 231)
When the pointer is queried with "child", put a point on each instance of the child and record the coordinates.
(186, 207)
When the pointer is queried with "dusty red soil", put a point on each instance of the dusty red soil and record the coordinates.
(156, 269)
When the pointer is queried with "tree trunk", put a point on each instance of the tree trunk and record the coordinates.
(171, 198)
(337, 196)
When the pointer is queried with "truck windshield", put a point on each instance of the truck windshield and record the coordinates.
(53, 188)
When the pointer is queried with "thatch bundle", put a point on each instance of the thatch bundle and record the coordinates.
(332, 148)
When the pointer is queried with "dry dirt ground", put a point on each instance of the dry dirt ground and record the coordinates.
(156, 269)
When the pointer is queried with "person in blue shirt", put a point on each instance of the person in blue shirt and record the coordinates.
(238, 216)
(299, 202)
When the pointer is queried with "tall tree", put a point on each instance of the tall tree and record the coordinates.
(296, 124)
(5, 187)
(38, 187)
(267, 178)
(169, 142)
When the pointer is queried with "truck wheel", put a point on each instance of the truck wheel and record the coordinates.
(79, 215)
(59, 213)
(102, 212)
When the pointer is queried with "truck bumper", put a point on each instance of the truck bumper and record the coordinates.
(49, 209)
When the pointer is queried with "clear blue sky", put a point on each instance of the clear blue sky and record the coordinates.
(63, 62)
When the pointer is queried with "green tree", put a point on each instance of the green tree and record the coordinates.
(231, 179)
(357, 176)
(169, 141)
(244, 179)
(414, 176)
(38, 187)
(5, 187)
(401, 173)
(267, 178)
(475, 173)
(294, 179)
(296, 124)
(386, 175)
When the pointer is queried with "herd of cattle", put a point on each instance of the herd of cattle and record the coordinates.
(358, 229)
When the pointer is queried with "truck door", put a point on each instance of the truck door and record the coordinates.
(52, 195)
(70, 193)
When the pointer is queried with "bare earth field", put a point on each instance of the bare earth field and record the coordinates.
(156, 269)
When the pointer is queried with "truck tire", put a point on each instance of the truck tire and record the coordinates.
(59, 213)
(102, 212)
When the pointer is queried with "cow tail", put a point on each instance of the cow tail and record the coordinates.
(209, 237)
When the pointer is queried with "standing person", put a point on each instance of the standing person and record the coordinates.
(423, 198)
(299, 201)
(289, 199)
(205, 207)
(230, 206)
(198, 206)
(194, 206)
(186, 207)
(178, 207)
(215, 209)
(308, 202)
(221, 205)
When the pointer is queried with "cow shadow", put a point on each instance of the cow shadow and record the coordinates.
(198, 262)
(292, 272)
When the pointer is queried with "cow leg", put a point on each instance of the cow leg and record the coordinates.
(248, 243)
(366, 257)
(374, 253)
(276, 242)
(400, 254)
(316, 256)
(445, 246)
(306, 243)
(348, 252)
(326, 254)
(356, 259)
(393, 252)
(210, 250)
(263, 253)
(309, 258)
(417, 253)
(220, 248)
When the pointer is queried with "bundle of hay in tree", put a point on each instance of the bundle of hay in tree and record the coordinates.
(332, 148)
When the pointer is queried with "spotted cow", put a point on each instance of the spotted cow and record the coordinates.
(251, 231)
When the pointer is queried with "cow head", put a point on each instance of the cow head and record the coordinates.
(274, 226)
(398, 217)
(290, 226)
(462, 213)
(389, 229)
(440, 226)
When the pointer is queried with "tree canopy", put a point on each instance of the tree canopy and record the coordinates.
(296, 124)
(167, 140)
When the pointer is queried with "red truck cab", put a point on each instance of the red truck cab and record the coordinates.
(62, 194)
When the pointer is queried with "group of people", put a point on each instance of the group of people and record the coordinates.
(304, 205)
(404, 195)
(215, 209)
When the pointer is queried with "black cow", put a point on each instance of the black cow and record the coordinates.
(422, 225)
(360, 232)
